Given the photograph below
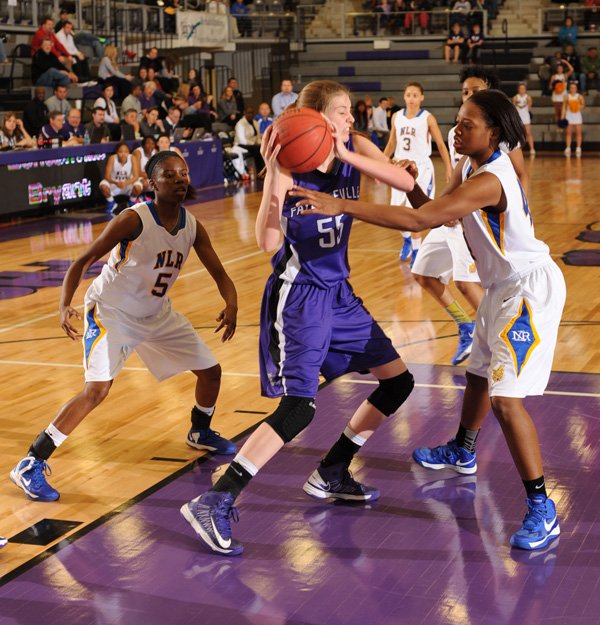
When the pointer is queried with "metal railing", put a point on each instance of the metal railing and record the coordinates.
(551, 19)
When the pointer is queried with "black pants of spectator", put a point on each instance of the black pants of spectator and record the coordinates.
(115, 131)
(244, 25)
(82, 70)
(121, 86)
(471, 55)
(254, 151)
(198, 120)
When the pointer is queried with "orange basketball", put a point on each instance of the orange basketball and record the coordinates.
(305, 139)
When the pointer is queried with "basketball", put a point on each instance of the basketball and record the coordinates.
(305, 139)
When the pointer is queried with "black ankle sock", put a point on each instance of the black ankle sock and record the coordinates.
(535, 487)
(234, 480)
(342, 452)
(467, 438)
(42, 447)
(200, 420)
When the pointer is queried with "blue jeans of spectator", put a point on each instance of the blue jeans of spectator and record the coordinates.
(86, 38)
(2, 52)
(583, 81)
(53, 77)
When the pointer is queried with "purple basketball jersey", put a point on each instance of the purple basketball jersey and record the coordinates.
(315, 248)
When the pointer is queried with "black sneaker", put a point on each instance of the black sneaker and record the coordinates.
(337, 482)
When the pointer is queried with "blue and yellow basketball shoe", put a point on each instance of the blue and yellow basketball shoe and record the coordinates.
(405, 252)
(29, 475)
(540, 524)
(465, 342)
(448, 456)
(210, 440)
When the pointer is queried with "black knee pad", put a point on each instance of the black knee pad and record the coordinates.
(392, 393)
(292, 415)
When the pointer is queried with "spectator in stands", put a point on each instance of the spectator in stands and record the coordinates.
(63, 17)
(591, 15)
(163, 144)
(142, 155)
(558, 83)
(13, 134)
(150, 124)
(97, 130)
(248, 136)
(200, 102)
(47, 70)
(567, 33)
(132, 101)
(73, 126)
(237, 94)
(361, 117)
(81, 38)
(460, 13)
(240, 11)
(111, 119)
(284, 98)
(383, 15)
(147, 97)
(151, 59)
(169, 79)
(80, 64)
(420, 7)
(55, 130)
(264, 117)
(172, 121)
(570, 55)
(590, 70)
(58, 101)
(454, 44)
(35, 113)
(46, 31)
(474, 44)
(394, 108)
(227, 110)
(109, 72)
(130, 126)
(379, 119)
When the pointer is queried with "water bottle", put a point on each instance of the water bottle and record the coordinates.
(86, 138)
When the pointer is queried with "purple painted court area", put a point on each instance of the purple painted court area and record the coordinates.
(433, 550)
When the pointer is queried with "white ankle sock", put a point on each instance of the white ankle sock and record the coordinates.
(58, 438)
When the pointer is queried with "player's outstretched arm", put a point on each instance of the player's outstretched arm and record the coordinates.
(126, 226)
(227, 318)
(482, 191)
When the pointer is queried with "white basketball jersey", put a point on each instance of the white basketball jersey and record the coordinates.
(139, 273)
(143, 158)
(413, 140)
(121, 171)
(503, 244)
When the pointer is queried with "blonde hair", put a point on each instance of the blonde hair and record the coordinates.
(111, 52)
(319, 93)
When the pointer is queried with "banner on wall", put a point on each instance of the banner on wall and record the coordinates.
(201, 29)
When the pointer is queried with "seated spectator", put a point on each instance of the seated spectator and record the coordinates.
(35, 113)
(13, 134)
(73, 126)
(419, 8)
(264, 117)
(58, 101)
(151, 59)
(227, 110)
(567, 33)
(397, 17)
(361, 118)
(80, 64)
(383, 14)
(474, 44)
(97, 130)
(168, 77)
(193, 78)
(572, 57)
(590, 69)
(142, 155)
(248, 136)
(460, 13)
(172, 121)
(82, 37)
(147, 97)
(130, 126)
(121, 177)
(240, 11)
(150, 124)
(237, 94)
(159, 95)
(55, 131)
(454, 44)
(111, 119)
(109, 72)
(591, 15)
(132, 101)
(284, 98)
(379, 121)
(46, 31)
(163, 144)
(47, 70)
(200, 102)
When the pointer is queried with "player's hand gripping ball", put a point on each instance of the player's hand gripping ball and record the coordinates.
(305, 139)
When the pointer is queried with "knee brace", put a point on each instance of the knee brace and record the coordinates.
(392, 393)
(292, 415)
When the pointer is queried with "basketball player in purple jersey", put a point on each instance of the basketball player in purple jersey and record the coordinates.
(311, 323)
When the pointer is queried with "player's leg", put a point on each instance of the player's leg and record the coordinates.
(201, 436)
(578, 139)
(426, 180)
(358, 343)
(568, 139)
(109, 190)
(398, 198)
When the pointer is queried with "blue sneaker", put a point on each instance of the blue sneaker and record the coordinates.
(465, 342)
(336, 482)
(209, 516)
(406, 249)
(210, 440)
(449, 456)
(3, 541)
(111, 206)
(540, 524)
(413, 257)
(29, 475)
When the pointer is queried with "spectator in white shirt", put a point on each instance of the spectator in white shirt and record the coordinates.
(247, 136)
(111, 118)
(80, 64)
(379, 120)
(284, 98)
